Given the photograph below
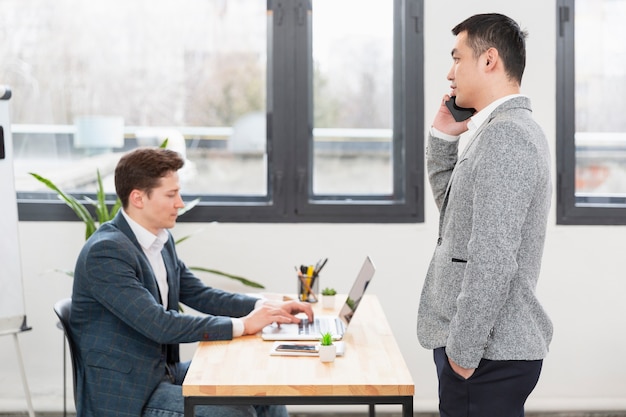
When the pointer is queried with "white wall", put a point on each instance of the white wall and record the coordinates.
(582, 283)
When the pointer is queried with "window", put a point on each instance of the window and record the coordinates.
(591, 100)
(286, 111)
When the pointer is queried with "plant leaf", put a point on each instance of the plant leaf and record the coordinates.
(182, 239)
(101, 207)
(102, 211)
(79, 209)
(66, 272)
(188, 206)
(243, 280)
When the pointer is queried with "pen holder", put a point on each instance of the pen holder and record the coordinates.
(308, 288)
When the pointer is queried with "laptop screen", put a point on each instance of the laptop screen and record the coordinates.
(358, 290)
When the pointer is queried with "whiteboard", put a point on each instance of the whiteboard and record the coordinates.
(12, 311)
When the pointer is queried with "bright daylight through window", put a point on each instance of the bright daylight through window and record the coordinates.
(288, 110)
(591, 99)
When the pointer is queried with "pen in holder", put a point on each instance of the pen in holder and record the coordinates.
(308, 281)
(308, 284)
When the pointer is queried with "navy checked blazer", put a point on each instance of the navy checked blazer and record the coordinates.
(123, 333)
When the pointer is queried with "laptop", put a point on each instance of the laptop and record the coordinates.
(337, 325)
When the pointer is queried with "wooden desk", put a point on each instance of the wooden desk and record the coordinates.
(241, 371)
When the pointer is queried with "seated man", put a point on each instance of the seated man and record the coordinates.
(128, 284)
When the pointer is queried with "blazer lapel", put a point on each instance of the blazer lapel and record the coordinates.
(461, 158)
(170, 265)
(122, 225)
(507, 105)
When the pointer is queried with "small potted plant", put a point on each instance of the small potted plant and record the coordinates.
(328, 297)
(327, 349)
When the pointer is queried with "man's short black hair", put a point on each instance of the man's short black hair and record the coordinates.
(494, 30)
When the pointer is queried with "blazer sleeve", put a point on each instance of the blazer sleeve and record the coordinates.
(441, 157)
(122, 282)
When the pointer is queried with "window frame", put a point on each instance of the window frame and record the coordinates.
(568, 212)
(289, 115)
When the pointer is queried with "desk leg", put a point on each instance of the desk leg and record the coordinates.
(372, 410)
(189, 409)
(407, 407)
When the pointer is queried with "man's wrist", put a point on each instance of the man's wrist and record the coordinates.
(436, 133)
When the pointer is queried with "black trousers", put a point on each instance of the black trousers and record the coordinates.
(496, 389)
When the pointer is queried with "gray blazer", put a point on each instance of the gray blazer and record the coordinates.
(478, 298)
(123, 333)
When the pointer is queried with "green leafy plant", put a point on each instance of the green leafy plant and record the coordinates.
(329, 291)
(103, 214)
(326, 339)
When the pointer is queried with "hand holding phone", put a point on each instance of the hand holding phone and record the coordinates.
(459, 113)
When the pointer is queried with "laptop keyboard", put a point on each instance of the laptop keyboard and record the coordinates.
(319, 326)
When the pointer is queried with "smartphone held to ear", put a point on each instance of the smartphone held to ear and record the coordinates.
(459, 113)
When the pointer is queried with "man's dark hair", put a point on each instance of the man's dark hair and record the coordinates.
(497, 31)
(142, 169)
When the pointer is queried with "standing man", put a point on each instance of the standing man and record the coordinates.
(478, 310)
(125, 316)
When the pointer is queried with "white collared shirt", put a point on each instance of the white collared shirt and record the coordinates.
(475, 121)
(152, 245)
(479, 118)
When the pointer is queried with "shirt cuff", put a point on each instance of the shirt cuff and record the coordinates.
(436, 133)
(238, 327)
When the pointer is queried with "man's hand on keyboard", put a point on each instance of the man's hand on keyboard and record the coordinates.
(275, 312)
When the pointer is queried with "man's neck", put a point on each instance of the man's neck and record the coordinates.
(132, 215)
(496, 93)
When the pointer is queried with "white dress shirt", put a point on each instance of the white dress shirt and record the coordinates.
(474, 122)
(152, 245)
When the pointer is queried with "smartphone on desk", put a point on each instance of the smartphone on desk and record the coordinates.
(296, 348)
(459, 113)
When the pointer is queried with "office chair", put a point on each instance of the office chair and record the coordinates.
(62, 309)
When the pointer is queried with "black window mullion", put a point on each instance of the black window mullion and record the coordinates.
(411, 89)
(290, 145)
(568, 210)
(303, 105)
(404, 204)
(566, 118)
(281, 110)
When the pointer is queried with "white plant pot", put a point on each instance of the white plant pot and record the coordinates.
(328, 301)
(328, 353)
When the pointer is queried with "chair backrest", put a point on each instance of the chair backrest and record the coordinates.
(62, 308)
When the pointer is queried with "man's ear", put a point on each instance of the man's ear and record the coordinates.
(491, 57)
(135, 198)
